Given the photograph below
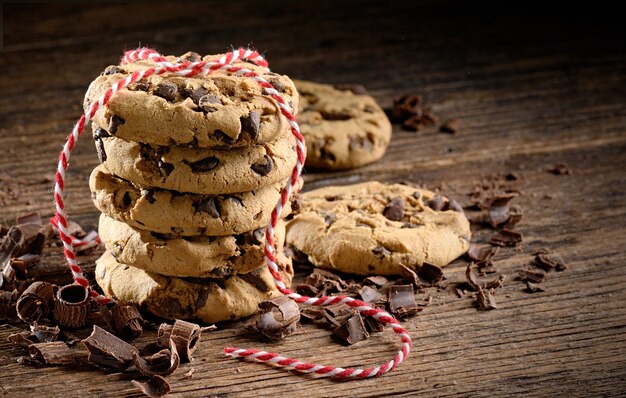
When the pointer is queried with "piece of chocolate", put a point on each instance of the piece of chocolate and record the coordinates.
(406, 106)
(421, 121)
(534, 287)
(277, 84)
(254, 278)
(506, 237)
(13, 240)
(71, 306)
(225, 138)
(372, 325)
(402, 301)
(185, 336)
(45, 334)
(480, 253)
(156, 387)
(485, 300)
(114, 122)
(451, 126)
(499, 212)
(560, 169)
(164, 362)
(377, 280)
(204, 165)
(53, 353)
(410, 276)
(209, 205)
(195, 93)
(208, 104)
(251, 124)
(264, 167)
(166, 90)
(436, 203)
(549, 261)
(278, 317)
(394, 210)
(370, 295)
(534, 276)
(127, 321)
(36, 301)
(431, 274)
(107, 350)
(352, 330)
(112, 70)
(21, 339)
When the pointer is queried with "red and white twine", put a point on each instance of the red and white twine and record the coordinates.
(71, 244)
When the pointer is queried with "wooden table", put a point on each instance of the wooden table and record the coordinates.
(533, 87)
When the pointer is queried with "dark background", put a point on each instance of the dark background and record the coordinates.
(534, 84)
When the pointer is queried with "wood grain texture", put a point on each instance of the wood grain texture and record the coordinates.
(532, 88)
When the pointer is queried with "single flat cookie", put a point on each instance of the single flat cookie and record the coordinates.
(200, 170)
(201, 257)
(210, 300)
(217, 110)
(373, 228)
(342, 130)
(183, 214)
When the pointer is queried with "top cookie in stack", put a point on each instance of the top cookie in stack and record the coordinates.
(191, 168)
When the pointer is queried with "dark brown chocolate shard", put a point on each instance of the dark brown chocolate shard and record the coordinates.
(306, 289)
(156, 387)
(30, 218)
(549, 261)
(451, 126)
(356, 89)
(185, 336)
(431, 274)
(499, 211)
(166, 90)
(6, 299)
(278, 318)
(352, 330)
(506, 237)
(115, 121)
(195, 93)
(204, 165)
(534, 287)
(251, 124)
(495, 283)
(534, 276)
(36, 301)
(402, 301)
(560, 169)
(454, 206)
(372, 325)
(377, 280)
(254, 278)
(406, 106)
(222, 136)
(163, 362)
(394, 210)
(21, 339)
(370, 295)
(471, 278)
(482, 253)
(421, 121)
(52, 353)
(127, 321)
(107, 350)
(12, 241)
(45, 334)
(437, 203)
(71, 306)
(311, 314)
(263, 167)
(485, 300)
(209, 205)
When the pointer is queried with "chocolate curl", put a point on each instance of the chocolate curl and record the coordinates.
(53, 353)
(127, 321)
(107, 350)
(185, 336)
(71, 306)
(163, 363)
(36, 301)
(156, 387)
(278, 317)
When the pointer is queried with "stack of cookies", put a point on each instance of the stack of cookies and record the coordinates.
(191, 168)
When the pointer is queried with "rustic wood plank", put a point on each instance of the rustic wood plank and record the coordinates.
(531, 92)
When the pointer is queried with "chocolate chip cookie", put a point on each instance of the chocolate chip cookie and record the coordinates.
(204, 171)
(344, 128)
(183, 214)
(203, 257)
(373, 228)
(217, 110)
(210, 300)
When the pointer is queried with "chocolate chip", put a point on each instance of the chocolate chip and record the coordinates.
(263, 168)
(251, 124)
(141, 85)
(191, 56)
(406, 106)
(451, 126)
(209, 205)
(381, 251)
(195, 93)
(394, 210)
(165, 168)
(357, 89)
(329, 218)
(352, 330)
(222, 136)
(360, 143)
(437, 203)
(114, 122)
(166, 90)
(204, 165)
(258, 235)
(149, 195)
(126, 200)
(402, 301)
(207, 102)
(420, 122)
(335, 115)
(278, 85)
(102, 155)
(111, 70)
(254, 278)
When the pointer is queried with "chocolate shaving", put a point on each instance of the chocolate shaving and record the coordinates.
(156, 387)
(36, 301)
(71, 306)
(560, 169)
(13, 239)
(410, 276)
(430, 273)
(506, 237)
(549, 261)
(52, 353)
(481, 253)
(107, 350)
(163, 362)
(127, 321)
(278, 317)
(534, 287)
(45, 334)
(377, 280)
(394, 210)
(527, 275)
(451, 126)
(370, 295)
(185, 336)
(352, 330)
(499, 211)
(485, 300)
(21, 339)
(372, 325)
(189, 374)
(402, 301)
